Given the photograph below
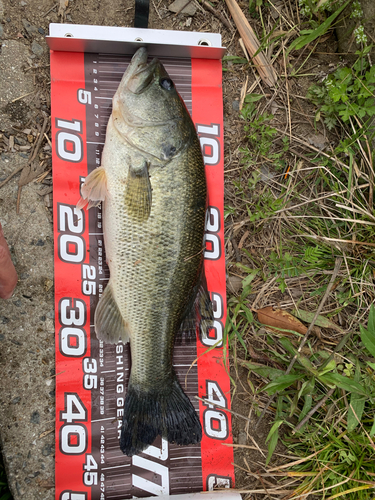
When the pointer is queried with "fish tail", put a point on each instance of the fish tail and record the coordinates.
(167, 412)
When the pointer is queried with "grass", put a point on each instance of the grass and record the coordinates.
(301, 235)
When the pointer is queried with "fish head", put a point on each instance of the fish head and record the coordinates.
(148, 111)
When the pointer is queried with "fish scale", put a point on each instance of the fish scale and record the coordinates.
(156, 272)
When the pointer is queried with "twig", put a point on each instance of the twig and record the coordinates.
(39, 142)
(33, 156)
(48, 11)
(304, 340)
(211, 403)
(217, 14)
(22, 96)
(18, 199)
(11, 175)
(338, 240)
(156, 10)
(313, 410)
(287, 94)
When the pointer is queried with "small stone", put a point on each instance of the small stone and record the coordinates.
(242, 438)
(35, 417)
(188, 22)
(29, 27)
(40, 243)
(23, 3)
(2, 336)
(37, 49)
(8, 19)
(318, 140)
(16, 400)
(4, 320)
(234, 284)
(1, 31)
(41, 31)
(236, 105)
(46, 450)
(51, 314)
(177, 5)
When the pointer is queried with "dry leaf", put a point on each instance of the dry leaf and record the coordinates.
(278, 318)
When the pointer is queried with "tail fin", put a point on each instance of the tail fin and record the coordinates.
(167, 412)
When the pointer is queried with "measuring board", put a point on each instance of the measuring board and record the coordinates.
(92, 376)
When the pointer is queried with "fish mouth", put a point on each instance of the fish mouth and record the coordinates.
(139, 73)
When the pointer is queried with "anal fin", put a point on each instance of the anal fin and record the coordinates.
(109, 323)
(138, 193)
(94, 189)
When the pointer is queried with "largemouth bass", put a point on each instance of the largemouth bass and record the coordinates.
(153, 188)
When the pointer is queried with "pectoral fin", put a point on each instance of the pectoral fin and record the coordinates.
(138, 193)
(94, 189)
(109, 323)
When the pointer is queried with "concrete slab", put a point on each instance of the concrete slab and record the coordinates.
(15, 84)
(27, 342)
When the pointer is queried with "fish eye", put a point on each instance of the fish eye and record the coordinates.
(166, 83)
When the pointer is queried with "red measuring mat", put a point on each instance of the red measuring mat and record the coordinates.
(91, 376)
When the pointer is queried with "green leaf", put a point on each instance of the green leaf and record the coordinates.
(372, 365)
(253, 97)
(263, 370)
(348, 384)
(319, 31)
(306, 407)
(372, 431)
(248, 314)
(321, 321)
(272, 439)
(368, 338)
(281, 383)
(306, 363)
(328, 368)
(357, 403)
(371, 320)
(249, 278)
(235, 59)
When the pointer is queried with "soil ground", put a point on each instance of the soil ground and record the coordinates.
(27, 365)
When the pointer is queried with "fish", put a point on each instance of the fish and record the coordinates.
(152, 187)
